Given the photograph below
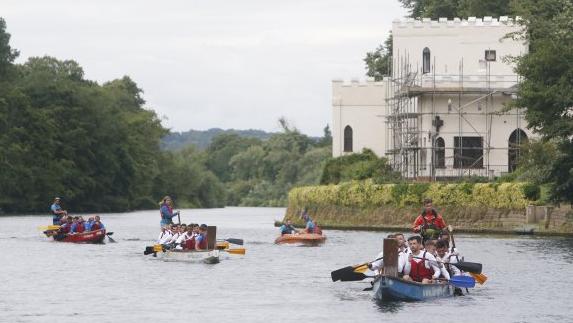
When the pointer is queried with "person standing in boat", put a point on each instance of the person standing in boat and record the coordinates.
(423, 265)
(287, 228)
(166, 211)
(57, 211)
(429, 223)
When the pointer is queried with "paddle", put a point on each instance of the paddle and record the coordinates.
(471, 267)
(234, 241)
(462, 281)
(48, 227)
(236, 251)
(348, 273)
(480, 278)
(108, 234)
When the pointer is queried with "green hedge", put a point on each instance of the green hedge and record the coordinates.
(367, 194)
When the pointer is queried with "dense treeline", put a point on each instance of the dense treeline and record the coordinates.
(94, 145)
(201, 139)
(98, 148)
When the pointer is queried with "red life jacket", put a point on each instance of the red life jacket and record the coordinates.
(189, 243)
(66, 227)
(80, 228)
(203, 243)
(95, 226)
(419, 271)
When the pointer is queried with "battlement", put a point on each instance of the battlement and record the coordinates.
(503, 21)
(359, 82)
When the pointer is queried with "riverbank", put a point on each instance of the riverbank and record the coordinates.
(538, 220)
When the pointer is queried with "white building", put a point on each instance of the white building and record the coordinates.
(442, 112)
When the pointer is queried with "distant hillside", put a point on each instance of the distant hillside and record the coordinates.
(202, 139)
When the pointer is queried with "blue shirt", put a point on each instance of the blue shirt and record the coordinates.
(310, 225)
(286, 229)
(74, 227)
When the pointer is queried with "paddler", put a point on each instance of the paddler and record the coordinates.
(287, 228)
(57, 211)
(201, 239)
(166, 211)
(429, 224)
(423, 265)
(309, 228)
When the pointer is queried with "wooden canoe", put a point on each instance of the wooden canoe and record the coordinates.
(392, 288)
(311, 239)
(96, 236)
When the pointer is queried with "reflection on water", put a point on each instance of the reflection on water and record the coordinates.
(390, 306)
(115, 282)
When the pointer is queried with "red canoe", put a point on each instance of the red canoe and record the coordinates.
(312, 239)
(96, 236)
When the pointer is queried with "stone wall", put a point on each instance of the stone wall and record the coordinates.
(543, 220)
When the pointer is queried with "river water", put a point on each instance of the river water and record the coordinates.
(46, 281)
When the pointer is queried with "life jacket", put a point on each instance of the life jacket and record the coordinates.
(429, 228)
(419, 271)
(189, 243)
(80, 228)
(203, 243)
(96, 226)
(65, 228)
(170, 211)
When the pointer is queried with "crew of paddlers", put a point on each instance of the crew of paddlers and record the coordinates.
(72, 224)
(426, 257)
(183, 236)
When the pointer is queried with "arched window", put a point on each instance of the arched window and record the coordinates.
(347, 139)
(426, 60)
(440, 153)
(517, 139)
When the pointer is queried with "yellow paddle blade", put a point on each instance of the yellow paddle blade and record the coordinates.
(48, 227)
(361, 269)
(222, 245)
(158, 248)
(480, 278)
(236, 251)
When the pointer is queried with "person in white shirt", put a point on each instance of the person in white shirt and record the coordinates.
(402, 243)
(403, 264)
(423, 265)
(431, 248)
(163, 235)
(447, 258)
(174, 237)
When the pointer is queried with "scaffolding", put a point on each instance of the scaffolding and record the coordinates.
(414, 118)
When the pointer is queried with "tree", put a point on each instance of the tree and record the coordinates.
(7, 53)
(379, 62)
(546, 91)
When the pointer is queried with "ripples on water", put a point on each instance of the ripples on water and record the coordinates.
(46, 281)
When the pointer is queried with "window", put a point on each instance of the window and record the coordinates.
(468, 152)
(426, 60)
(490, 55)
(347, 139)
(516, 140)
(440, 151)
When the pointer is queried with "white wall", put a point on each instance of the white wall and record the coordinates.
(450, 41)
(362, 106)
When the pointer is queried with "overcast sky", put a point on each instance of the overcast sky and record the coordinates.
(202, 64)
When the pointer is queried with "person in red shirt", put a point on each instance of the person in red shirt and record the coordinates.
(429, 223)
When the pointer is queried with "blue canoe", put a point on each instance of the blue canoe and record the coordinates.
(393, 288)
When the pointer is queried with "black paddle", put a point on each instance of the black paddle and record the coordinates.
(110, 238)
(235, 241)
(471, 267)
(348, 274)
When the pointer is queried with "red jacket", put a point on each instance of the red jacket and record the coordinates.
(431, 218)
(419, 271)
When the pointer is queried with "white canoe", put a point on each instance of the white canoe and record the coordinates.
(206, 257)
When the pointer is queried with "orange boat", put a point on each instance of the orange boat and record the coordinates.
(311, 239)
